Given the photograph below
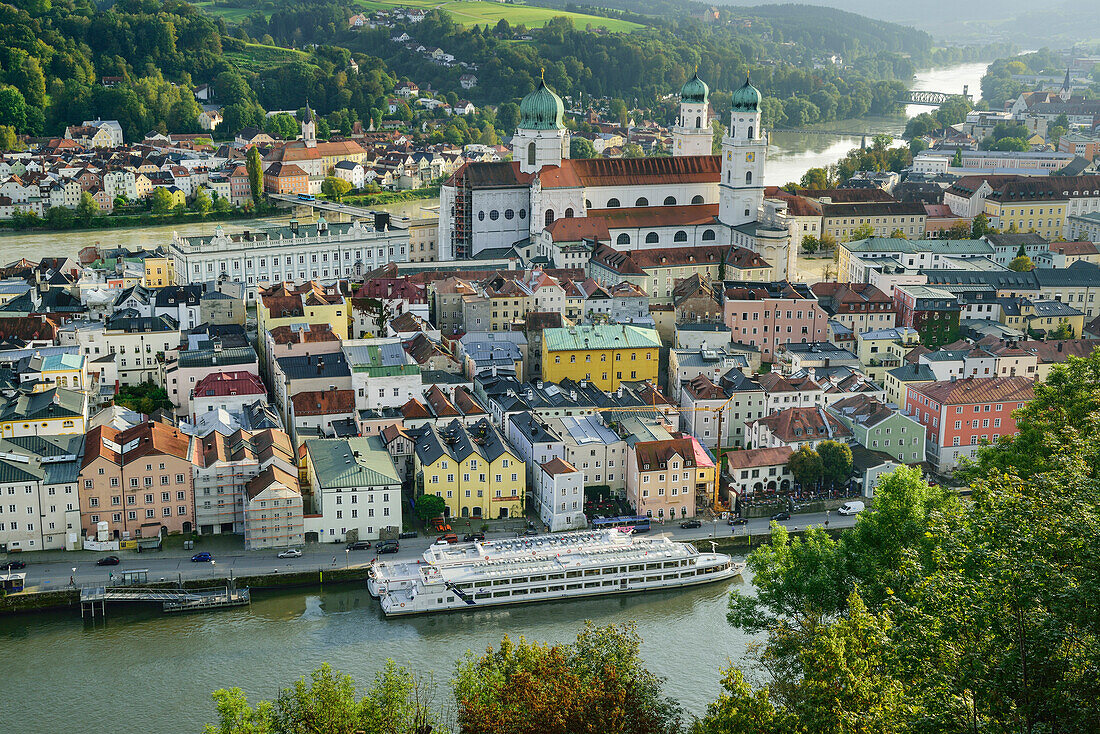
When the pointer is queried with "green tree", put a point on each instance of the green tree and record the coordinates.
(580, 148)
(429, 506)
(8, 141)
(235, 716)
(810, 244)
(255, 168)
(836, 461)
(619, 111)
(282, 125)
(981, 227)
(816, 178)
(335, 188)
(87, 208)
(144, 398)
(508, 117)
(201, 202)
(898, 234)
(957, 159)
(222, 205)
(160, 200)
(1021, 264)
(805, 464)
(633, 150)
(13, 108)
(1064, 330)
(862, 232)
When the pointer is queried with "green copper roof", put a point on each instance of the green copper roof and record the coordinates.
(695, 90)
(541, 110)
(600, 336)
(746, 98)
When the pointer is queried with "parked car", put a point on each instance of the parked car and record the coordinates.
(447, 538)
(291, 553)
(409, 534)
(737, 521)
(691, 524)
(851, 508)
(781, 516)
(387, 546)
(200, 557)
(531, 531)
(359, 545)
(471, 537)
(13, 565)
(108, 561)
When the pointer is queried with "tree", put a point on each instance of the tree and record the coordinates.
(898, 234)
(633, 150)
(508, 116)
(282, 125)
(8, 140)
(862, 232)
(201, 202)
(836, 461)
(957, 159)
(160, 200)
(597, 680)
(981, 227)
(255, 169)
(13, 108)
(144, 398)
(429, 506)
(235, 716)
(87, 208)
(805, 464)
(810, 244)
(334, 188)
(815, 178)
(222, 205)
(960, 230)
(619, 111)
(1064, 330)
(1021, 264)
(581, 148)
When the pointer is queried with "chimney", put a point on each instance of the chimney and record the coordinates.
(320, 365)
(294, 227)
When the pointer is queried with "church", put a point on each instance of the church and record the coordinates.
(546, 206)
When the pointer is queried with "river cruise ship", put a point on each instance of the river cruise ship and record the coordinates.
(541, 568)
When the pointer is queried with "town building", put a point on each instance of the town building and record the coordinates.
(604, 354)
(669, 478)
(770, 315)
(38, 481)
(356, 490)
(881, 427)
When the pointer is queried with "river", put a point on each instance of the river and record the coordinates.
(36, 245)
(145, 672)
(792, 154)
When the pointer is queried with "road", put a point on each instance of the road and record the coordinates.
(53, 570)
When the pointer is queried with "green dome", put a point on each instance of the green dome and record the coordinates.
(541, 110)
(695, 90)
(746, 98)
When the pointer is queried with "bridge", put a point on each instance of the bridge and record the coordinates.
(934, 99)
(171, 600)
(305, 207)
(816, 131)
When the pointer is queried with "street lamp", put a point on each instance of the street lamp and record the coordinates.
(347, 558)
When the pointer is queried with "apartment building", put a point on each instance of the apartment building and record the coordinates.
(858, 306)
(225, 465)
(39, 501)
(769, 315)
(668, 478)
(356, 489)
(604, 354)
(138, 480)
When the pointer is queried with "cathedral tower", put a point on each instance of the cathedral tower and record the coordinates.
(692, 134)
(309, 129)
(541, 138)
(744, 150)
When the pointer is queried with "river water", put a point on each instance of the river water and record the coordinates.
(145, 672)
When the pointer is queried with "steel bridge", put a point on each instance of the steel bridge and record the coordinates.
(934, 99)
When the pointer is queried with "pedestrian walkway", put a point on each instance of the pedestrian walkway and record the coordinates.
(172, 600)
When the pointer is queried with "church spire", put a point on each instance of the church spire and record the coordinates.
(1066, 91)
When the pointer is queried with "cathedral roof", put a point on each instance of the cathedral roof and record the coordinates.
(486, 175)
(594, 172)
(541, 110)
(657, 216)
(747, 98)
(695, 90)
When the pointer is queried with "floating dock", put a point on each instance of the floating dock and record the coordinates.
(172, 600)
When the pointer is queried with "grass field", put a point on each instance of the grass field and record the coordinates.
(231, 15)
(477, 12)
(256, 56)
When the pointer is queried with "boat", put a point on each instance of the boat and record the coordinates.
(537, 568)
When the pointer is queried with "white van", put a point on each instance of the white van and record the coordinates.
(851, 508)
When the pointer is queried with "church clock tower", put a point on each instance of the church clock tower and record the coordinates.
(692, 134)
(541, 138)
(744, 150)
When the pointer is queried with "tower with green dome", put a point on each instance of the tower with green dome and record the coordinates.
(692, 134)
(541, 138)
(744, 153)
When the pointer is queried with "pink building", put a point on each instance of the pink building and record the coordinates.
(769, 315)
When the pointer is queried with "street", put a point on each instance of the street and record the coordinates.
(55, 568)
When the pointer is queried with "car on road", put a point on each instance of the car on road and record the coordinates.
(108, 561)
(737, 521)
(13, 565)
(851, 508)
(448, 538)
(387, 546)
(291, 553)
(691, 524)
(781, 516)
(201, 557)
(359, 545)
(531, 531)
(471, 537)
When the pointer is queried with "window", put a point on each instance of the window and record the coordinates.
(748, 177)
(652, 238)
(642, 201)
(622, 239)
(680, 236)
(549, 218)
(612, 203)
(531, 153)
(670, 201)
(708, 235)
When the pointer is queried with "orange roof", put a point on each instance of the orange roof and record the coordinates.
(979, 390)
(592, 172)
(557, 466)
(758, 457)
(684, 215)
(324, 402)
(574, 229)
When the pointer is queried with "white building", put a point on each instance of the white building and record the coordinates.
(38, 489)
(559, 496)
(383, 375)
(356, 489)
(320, 251)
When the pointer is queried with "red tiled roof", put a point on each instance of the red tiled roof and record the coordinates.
(977, 390)
(228, 383)
(758, 457)
(795, 425)
(575, 229)
(655, 453)
(684, 215)
(324, 402)
(316, 333)
(557, 466)
(1073, 248)
(592, 172)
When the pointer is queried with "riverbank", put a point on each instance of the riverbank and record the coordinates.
(127, 221)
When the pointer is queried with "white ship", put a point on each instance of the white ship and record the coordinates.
(541, 568)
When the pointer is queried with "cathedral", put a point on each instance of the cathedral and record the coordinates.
(550, 208)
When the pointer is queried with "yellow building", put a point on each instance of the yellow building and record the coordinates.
(159, 272)
(424, 240)
(604, 354)
(899, 379)
(472, 468)
(309, 303)
(1027, 206)
(1046, 316)
(882, 350)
